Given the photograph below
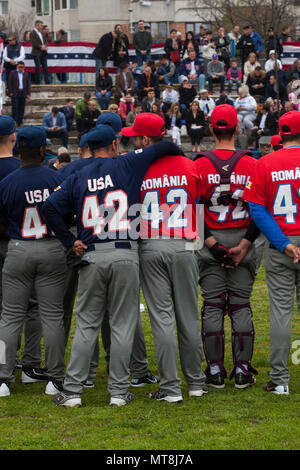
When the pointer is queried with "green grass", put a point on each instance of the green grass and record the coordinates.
(224, 419)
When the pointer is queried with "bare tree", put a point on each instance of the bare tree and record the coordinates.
(17, 23)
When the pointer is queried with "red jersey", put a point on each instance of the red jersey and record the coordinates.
(168, 196)
(234, 215)
(276, 185)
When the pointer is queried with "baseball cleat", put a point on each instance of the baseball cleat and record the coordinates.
(67, 399)
(148, 379)
(88, 384)
(31, 375)
(121, 401)
(4, 389)
(158, 395)
(215, 380)
(53, 387)
(276, 389)
(199, 392)
(244, 381)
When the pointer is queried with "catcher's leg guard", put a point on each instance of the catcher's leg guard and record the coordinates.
(242, 338)
(213, 337)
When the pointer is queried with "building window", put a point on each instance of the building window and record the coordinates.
(74, 4)
(3, 8)
(46, 7)
(57, 4)
(64, 4)
(39, 7)
(75, 35)
(42, 7)
(195, 27)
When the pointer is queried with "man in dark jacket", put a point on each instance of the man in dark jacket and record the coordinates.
(89, 118)
(142, 41)
(271, 44)
(105, 49)
(245, 45)
(19, 91)
(264, 124)
(12, 55)
(39, 52)
(256, 82)
(69, 111)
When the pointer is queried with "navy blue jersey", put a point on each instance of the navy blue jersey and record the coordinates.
(102, 194)
(22, 194)
(75, 166)
(8, 165)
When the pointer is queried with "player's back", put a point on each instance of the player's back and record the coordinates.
(8, 165)
(75, 166)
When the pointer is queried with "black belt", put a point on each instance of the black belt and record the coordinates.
(119, 245)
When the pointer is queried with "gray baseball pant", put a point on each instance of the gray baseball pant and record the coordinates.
(109, 283)
(169, 279)
(227, 290)
(260, 245)
(282, 277)
(40, 266)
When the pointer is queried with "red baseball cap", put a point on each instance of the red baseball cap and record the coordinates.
(276, 140)
(289, 123)
(226, 114)
(148, 124)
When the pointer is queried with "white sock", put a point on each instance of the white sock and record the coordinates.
(239, 371)
(214, 369)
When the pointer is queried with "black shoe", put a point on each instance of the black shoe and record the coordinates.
(147, 380)
(31, 375)
(244, 381)
(276, 389)
(162, 396)
(215, 380)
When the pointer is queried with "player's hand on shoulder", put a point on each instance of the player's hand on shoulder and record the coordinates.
(293, 251)
(79, 248)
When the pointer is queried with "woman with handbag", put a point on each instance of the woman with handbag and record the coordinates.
(172, 48)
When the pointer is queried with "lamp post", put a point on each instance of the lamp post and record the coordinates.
(274, 26)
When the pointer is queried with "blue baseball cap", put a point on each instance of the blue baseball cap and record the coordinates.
(100, 137)
(111, 119)
(31, 136)
(83, 141)
(7, 125)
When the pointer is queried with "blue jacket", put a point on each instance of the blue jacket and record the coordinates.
(257, 41)
(48, 121)
(185, 67)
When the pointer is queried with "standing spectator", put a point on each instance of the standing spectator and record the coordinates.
(46, 33)
(166, 71)
(246, 108)
(148, 80)
(19, 91)
(142, 41)
(89, 118)
(206, 104)
(234, 37)
(234, 75)
(190, 44)
(13, 54)
(61, 36)
(124, 82)
(126, 106)
(272, 44)
(222, 46)
(173, 123)
(245, 45)
(274, 89)
(104, 49)
(257, 41)
(271, 61)
(169, 96)
(27, 36)
(39, 52)
(121, 46)
(148, 101)
(256, 82)
(69, 111)
(215, 73)
(208, 50)
(187, 93)
(250, 65)
(55, 125)
(264, 124)
(173, 48)
(195, 123)
(193, 69)
(103, 87)
(285, 34)
(137, 109)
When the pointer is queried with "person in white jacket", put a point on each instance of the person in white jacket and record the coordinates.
(246, 108)
(269, 64)
(206, 103)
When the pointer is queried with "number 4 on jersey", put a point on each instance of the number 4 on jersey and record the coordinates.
(32, 224)
(284, 204)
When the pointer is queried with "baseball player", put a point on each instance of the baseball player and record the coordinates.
(169, 271)
(224, 174)
(276, 143)
(274, 198)
(110, 279)
(35, 259)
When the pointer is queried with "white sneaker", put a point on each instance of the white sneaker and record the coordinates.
(33, 375)
(158, 395)
(68, 400)
(277, 389)
(198, 393)
(53, 388)
(121, 401)
(4, 390)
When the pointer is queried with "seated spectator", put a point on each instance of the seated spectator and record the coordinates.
(55, 125)
(80, 106)
(61, 161)
(246, 108)
(250, 65)
(148, 80)
(173, 123)
(137, 109)
(59, 152)
(288, 106)
(281, 74)
(69, 111)
(190, 44)
(269, 63)
(169, 96)
(149, 100)
(126, 105)
(264, 123)
(264, 145)
(166, 71)
(294, 86)
(157, 110)
(292, 99)
(206, 104)
(234, 75)
(223, 99)
(256, 82)
(136, 71)
(103, 87)
(124, 82)
(89, 118)
(113, 108)
(294, 70)
(195, 124)
(208, 50)
(193, 69)
(173, 47)
(187, 94)
(274, 90)
(215, 73)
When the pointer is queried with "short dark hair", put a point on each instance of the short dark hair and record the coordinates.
(87, 95)
(289, 138)
(31, 153)
(209, 32)
(68, 100)
(55, 110)
(38, 22)
(266, 107)
(136, 105)
(123, 65)
(223, 134)
(150, 89)
(156, 139)
(141, 21)
(21, 62)
(277, 147)
(173, 31)
(64, 158)
(258, 67)
(116, 25)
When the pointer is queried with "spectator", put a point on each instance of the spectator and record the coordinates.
(19, 91)
(272, 44)
(223, 99)
(55, 125)
(104, 49)
(12, 55)
(285, 34)
(27, 36)
(169, 96)
(121, 54)
(113, 108)
(46, 33)
(187, 94)
(103, 87)
(82, 104)
(215, 73)
(208, 49)
(166, 71)
(256, 82)
(89, 118)
(222, 46)
(61, 36)
(257, 41)
(281, 74)
(195, 124)
(39, 52)
(246, 108)
(264, 145)
(60, 162)
(148, 80)
(151, 63)
(190, 44)
(294, 70)
(157, 110)
(245, 45)
(142, 41)
(124, 82)
(234, 75)
(264, 123)
(173, 123)
(276, 143)
(234, 37)
(137, 109)
(271, 61)
(292, 99)
(136, 71)
(294, 86)
(193, 69)
(69, 111)
(126, 105)
(288, 106)
(206, 104)
(173, 47)
(149, 100)
(250, 65)
(274, 90)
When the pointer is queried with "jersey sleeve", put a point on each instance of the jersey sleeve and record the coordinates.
(255, 189)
